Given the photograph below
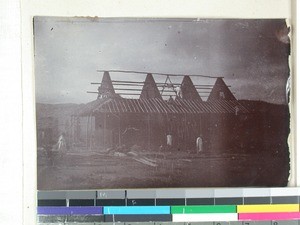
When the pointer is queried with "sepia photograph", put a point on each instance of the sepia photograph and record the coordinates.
(161, 103)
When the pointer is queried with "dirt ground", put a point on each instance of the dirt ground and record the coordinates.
(83, 169)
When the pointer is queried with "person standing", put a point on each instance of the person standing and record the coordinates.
(199, 144)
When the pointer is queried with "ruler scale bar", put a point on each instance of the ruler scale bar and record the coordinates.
(70, 218)
(291, 222)
(90, 220)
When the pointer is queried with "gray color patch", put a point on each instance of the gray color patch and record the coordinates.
(228, 192)
(141, 194)
(200, 201)
(170, 193)
(256, 192)
(200, 193)
(257, 200)
(81, 195)
(82, 202)
(292, 191)
(285, 200)
(45, 195)
(110, 202)
(111, 194)
(170, 201)
(52, 202)
(228, 201)
(140, 202)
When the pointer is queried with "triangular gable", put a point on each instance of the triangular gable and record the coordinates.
(220, 91)
(106, 89)
(150, 89)
(188, 90)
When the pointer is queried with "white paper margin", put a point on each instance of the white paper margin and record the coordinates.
(100, 8)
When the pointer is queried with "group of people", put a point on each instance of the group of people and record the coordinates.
(199, 143)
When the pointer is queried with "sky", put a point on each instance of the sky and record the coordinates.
(251, 55)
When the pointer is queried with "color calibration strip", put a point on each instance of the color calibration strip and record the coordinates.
(183, 213)
(170, 205)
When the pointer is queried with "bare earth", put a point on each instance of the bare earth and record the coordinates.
(83, 169)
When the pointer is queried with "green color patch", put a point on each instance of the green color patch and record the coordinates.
(203, 209)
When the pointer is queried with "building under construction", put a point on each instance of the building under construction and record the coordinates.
(174, 128)
(165, 115)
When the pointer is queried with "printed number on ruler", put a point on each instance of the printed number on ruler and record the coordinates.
(102, 194)
(133, 202)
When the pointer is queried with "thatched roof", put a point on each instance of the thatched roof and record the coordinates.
(155, 105)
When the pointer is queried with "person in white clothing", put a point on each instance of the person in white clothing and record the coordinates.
(169, 140)
(199, 144)
(61, 142)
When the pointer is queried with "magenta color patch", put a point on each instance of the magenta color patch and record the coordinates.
(269, 216)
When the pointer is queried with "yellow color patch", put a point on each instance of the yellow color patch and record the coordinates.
(268, 208)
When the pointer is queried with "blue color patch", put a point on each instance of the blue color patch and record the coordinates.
(86, 210)
(125, 210)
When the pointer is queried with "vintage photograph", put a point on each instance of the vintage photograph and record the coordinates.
(158, 103)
